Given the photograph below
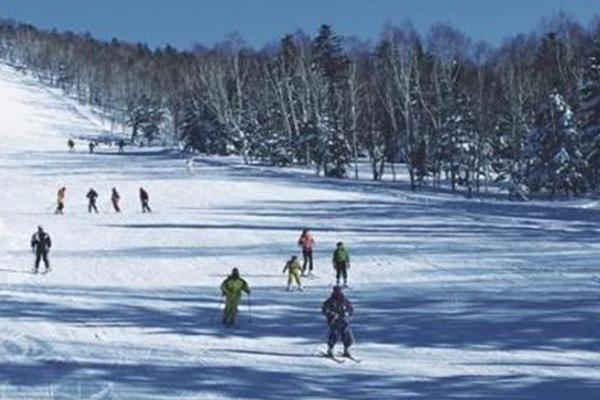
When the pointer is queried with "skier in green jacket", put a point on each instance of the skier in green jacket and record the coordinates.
(341, 263)
(232, 289)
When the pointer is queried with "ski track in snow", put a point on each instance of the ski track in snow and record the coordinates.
(454, 298)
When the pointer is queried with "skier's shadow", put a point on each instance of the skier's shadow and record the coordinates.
(263, 353)
(16, 271)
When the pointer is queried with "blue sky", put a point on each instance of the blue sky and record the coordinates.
(184, 22)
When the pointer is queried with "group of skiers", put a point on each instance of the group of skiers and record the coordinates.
(92, 146)
(92, 196)
(337, 309)
(340, 261)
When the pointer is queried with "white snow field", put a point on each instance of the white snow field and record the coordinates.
(454, 298)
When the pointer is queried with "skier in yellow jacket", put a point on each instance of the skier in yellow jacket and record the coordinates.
(232, 289)
(294, 270)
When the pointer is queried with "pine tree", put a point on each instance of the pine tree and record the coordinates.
(553, 147)
(590, 113)
(333, 152)
(200, 130)
(145, 117)
(457, 143)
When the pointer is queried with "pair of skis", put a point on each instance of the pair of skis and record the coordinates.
(44, 272)
(339, 358)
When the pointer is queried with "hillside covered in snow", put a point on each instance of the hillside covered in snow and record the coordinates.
(453, 298)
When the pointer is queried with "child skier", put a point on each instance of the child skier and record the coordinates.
(294, 270)
(341, 263)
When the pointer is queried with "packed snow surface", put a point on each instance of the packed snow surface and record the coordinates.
(454, 298)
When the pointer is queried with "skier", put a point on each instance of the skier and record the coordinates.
(91, 146)
(189, 166)
(71, 145)
(337, 309)
(341, 263)
(232, 289)
(92, 196)
(114, 198)
(144, 199)
(40, 245)
(121, 146)
(60, 200)
(306, 241)
(294, 270)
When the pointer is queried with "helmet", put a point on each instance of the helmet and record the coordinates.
(235, 273)
(337, 292)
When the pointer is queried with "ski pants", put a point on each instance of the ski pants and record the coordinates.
(341, 271)
(145, 206)
(115, 204)
(307, 254)
(231, 308)
(39, 256)
(92, 206)
(294, 276)
(340, 330)
(59, 208)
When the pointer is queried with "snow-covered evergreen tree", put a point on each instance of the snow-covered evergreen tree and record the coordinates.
(553, 150)
(590, 113)
(145, 117)
(457, 143)
(332, 152)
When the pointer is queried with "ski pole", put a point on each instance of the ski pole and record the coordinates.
(249, 308)
(218, 309)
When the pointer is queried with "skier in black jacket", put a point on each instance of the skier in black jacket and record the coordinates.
(144, 199)
(40, 245)
(337, 309)
(92, 195)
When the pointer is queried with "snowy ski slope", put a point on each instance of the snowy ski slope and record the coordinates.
(454, 298)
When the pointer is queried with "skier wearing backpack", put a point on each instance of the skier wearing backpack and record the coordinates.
(92, 195)
(40, 245)
(341, 263)
(60, 200)
(307, 242)
(293, 268)
(338, 310)
(114, 199)
(144, 199)
(232, 289)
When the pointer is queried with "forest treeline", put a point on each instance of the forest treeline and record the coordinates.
(524, 115)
